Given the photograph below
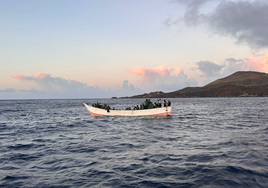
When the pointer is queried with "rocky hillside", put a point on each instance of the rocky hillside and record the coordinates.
(239, 84)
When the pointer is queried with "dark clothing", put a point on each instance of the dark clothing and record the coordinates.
(159, 103)
(146, 104)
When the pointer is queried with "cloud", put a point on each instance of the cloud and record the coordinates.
(30, 91)
(162, 78)
(12, 90)
(20, 77)
(48, 83)
(212, 71)
(58, 87)
(245, 21)
(209, 69)
(8, 90)
(128, 87)
(155, 72)
(248, 64)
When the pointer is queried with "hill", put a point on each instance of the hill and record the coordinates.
(239, 84)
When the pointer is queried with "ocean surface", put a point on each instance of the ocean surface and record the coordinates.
(207, 142)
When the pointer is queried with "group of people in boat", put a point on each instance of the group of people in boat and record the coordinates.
(147, 104)
(104, 106)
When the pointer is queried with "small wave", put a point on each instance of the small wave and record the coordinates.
(15, 177)
(130, 145)
(14, 110)
(168, 138)
(242, 170)
(9, 168)
(43, 140)
(99, 174)
(75, 149)
(91, 164)
(200, 158)
(23, 146)
(163, 184)
(24, 157)
(129, 168)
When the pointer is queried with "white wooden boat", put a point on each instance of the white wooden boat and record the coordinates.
(164, 111)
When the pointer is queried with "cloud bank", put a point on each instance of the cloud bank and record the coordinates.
(48, 83)
(162, 78)
(58, 87)
(154, 79)
(245, 21)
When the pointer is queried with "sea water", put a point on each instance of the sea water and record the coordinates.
(206, 142)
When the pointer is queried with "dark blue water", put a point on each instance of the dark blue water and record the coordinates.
(211, 142)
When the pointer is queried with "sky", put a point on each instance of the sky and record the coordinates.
(53, 49)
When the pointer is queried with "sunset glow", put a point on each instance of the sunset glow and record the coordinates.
(74, 47)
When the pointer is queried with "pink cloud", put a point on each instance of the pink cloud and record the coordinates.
(39, 75)
(258, 64)
(20, 77)
(138, 71)
(92, 85)
(161, 70)
(176, 71)
(162, 78)
(17, 76)
(265, 63)
(155, 72)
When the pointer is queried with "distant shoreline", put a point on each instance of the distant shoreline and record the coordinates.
(239, 84)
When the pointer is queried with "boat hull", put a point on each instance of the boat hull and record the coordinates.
(165, 111)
